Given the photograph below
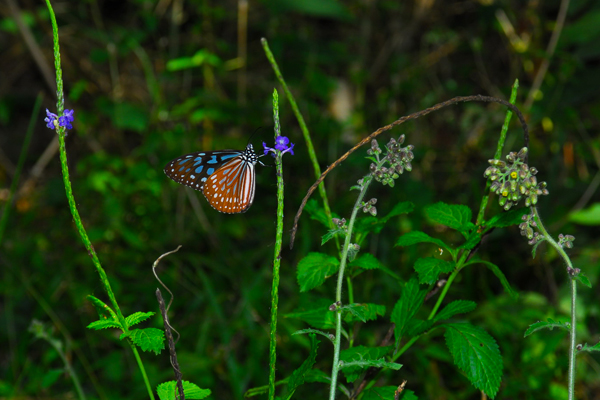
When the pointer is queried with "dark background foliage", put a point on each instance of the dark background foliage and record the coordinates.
(152, 80)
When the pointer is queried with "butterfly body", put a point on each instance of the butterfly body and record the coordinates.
(226, 177)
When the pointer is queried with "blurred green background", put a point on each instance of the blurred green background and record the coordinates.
(152, 80)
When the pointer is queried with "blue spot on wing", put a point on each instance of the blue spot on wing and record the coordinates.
(199, 169)
(210, 171)
(228, 156)
(213, 160)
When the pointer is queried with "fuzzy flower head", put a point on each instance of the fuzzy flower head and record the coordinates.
(53, 121)
(281, 144)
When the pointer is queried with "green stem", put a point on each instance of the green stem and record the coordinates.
(20, 163)
(338, 293)
(277, 255)
(138, 359)
(498, 154)
(309, 145)
(71, 199)
(573, 332)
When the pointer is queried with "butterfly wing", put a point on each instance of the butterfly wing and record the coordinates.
(230, 189)
(194, 169)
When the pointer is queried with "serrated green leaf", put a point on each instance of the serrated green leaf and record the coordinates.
(404, 207)
(314, 269)
(430, 268)
(104, 311)
(417, 326)
(331, 234)
(320, 318)
(138, 317)
(147, 339)
(367, 261)
(476, 353)
(362, 312)
(388, 393)
(591, 349)
(104, 324)
(581, 278)
(499, 274)
(509, 218)
(298, 376)
(456, 307)
(454, 216)
(550, 324)
(411, 299)
(191, 391)
(415, 237)
(355, 359)
(329, 336)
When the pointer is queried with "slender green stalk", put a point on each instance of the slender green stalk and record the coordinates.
(20, 163)
(338, 293)
(71, 199)
(309, 145)
(573, 332)
(498, 154)
(277, 255)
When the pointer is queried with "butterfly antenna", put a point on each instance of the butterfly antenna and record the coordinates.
(253, 133)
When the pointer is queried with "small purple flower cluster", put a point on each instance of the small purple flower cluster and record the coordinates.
(53, 121)
(281, 144)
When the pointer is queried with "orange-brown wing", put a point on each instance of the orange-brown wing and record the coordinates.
(230, 189)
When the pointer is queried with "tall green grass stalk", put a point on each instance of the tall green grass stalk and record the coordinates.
(73, 205)
(277, 254)
(309, 145)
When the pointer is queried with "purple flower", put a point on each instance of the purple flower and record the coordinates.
(50, 119)
(65, 120)
(281, 144)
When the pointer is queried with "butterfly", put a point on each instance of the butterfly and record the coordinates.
(225, 177)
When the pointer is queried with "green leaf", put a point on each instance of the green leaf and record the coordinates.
(587, 216)
(51, 376)
(472, 240)
(202, 56)
(314, 269)
(147, 339)
(329, 336)
(476, 353)
(298, 376)
(456, 307)
(367, 261)
(169, 391)
(581, 278)
(455, 216)
(416, 327)
(331, 234)
(550, 324)
(499, 274)
(404, 207)
(317, 213)
(430, 268)
(411, 299)
(138, 317)
(509, 218)
(104, 324)
(591, 349)
(104, 311)
(355, 359)
(535, 246)
(415, 237)
(320, 318)
(362, 312)
(388, 393)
